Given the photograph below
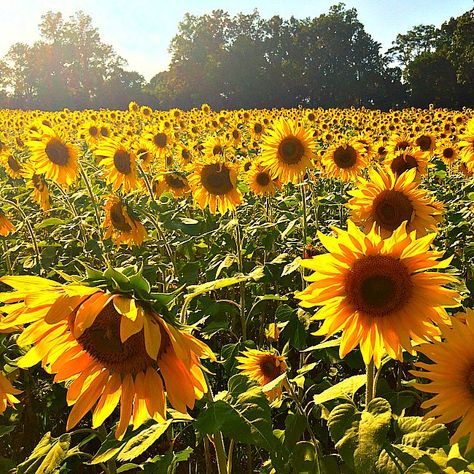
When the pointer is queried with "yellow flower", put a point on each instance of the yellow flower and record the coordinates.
(378, 291)
(37, 182)
(175, 183)
(12, 166)
(7, 393)
(407, 159)
(260, 181)
(466, 146)
(287, 151)
(389, 201)
(214, 184)
(111, 349)
(451, 376)
(344, 160)
(6, 227)
(263, 367)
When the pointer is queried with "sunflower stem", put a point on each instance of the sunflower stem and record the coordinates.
(7, 257)
(369, 390)
(240, 264)
(90, 191)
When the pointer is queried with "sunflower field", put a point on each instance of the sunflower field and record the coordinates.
(274, 291)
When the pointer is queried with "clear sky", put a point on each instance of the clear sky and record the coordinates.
(141, 30)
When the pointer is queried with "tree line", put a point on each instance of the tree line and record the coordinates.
(246, 61)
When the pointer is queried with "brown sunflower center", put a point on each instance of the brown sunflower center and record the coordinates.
(270, 367)
(38, 182)
(402, 145)
(235, 134)
(378, 285)
(13, 164)
(424, 142)
(216, 179)
(185, 154)
(58, 152)
(118, 218)
(403, 163)
(257, 128)
(345, 157)
(470, 379)
(104, 131)
(247, 165)
(93, 131)
(102, 342)
(263, 179)
(160, 140)
(448, 153)
(122, 162)
(175, 181)
(391, 208)
(291, 150)
(217, 150)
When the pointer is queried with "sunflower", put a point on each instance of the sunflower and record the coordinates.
(263, 367)
(406, 160)
(287, 151)
(145, 154)
(120, 163)
(11, 165)
(214, 184)
(7, 393)
(451, 376)
(447, 151)
(260, 181)
(426, 142)
(120, 225)
(6, 227)
(388, 201)
(172, 182)
(160, 141)
(344, 160)
(37, 182)
(466, 146)
(377, 291)
(215, 146)
(110, 349)
(399, 142)
(53, 156)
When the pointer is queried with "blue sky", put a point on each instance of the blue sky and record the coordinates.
(141, 30)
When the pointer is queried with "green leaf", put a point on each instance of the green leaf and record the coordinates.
(345, 389)
(304, 458)
(373, 429)
(142, 441)
(421, 433)
(324, 345)
(55, 455)
(6, 429)
(52, 221)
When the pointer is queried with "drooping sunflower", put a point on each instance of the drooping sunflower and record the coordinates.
(261, 182)
(344, 160)
(119, 161)
(7, 393)
(175, 183)
(388, 201)
(6, 227)
(287, 151)
(39, 185)
(263, 367)
(466, 146)
(451, 376)
(111, 349)
(53, 156)
(406, 160)
(214, 183)
(378, 291)
(120, 225)
(11, 165)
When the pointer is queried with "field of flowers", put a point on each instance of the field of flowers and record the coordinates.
(276, 291)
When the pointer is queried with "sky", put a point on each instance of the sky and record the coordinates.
(141, 30)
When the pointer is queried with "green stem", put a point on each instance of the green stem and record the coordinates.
(90, 191)
(111, 465)
(240, 264)
(230, 456)
(305, 231)
(369, 391)
(7, 258)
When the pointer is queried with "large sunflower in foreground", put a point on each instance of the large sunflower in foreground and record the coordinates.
(344, 160)
(389, 201)
(7, 393)
(263, 367)
(120, 225)
(53, 156)
(378, 291)
(287, 151)
(451, 376)
(111, 349)
(120, 164)
(214, 184)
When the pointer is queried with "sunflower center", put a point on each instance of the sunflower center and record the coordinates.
(102, 342)
(391, 208)
(13, 164)
(448, 153)
(216, 179)
(262, 179)
(402, 145)
(235, 134)
(345, 157)
(175, 181)
(160, 140)
(403, 163)
(58, 152)
(118, 218)
(38, 182)
(257, 128)
(424, 142)
(93, 131)
(270, 368)
(217, 150)
(378, 285)
(291, 150)
(122, 162)
(104, 132)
